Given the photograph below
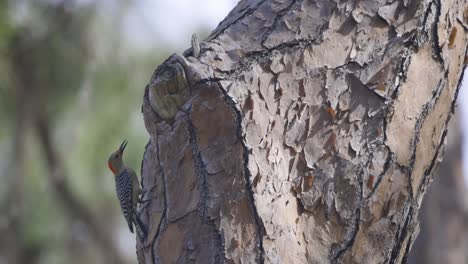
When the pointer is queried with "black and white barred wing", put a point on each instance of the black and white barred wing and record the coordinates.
(123, 184)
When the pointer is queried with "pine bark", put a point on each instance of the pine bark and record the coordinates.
(304, 132)
(444, 212)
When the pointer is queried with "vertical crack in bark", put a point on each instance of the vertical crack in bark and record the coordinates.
(402, 71)
(248, 184)
(401, 74)
(141, 207)
(163, 218)
(426, 15)
(400, 236)
(435, 35)
(407, 249)
(338, 249)
(200, 169)
(433, 101)
(419, 123)
(405, 61)
(402, 233)
(389, 161)
(143, 162)
(434, 162)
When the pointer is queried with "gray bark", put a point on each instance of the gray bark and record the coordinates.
(304, 132)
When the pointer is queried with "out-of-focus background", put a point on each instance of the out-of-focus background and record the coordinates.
(72, 76)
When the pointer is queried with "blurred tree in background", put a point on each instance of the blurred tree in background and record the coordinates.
(67, 99)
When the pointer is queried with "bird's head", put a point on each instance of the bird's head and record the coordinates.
(115, 162)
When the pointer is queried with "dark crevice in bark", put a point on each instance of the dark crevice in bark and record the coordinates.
(164, 216)
(175, 220)
(153, 254)
(142, 202)
(400, 236)
(462, 24)
(407, 249)
(402, 71)
(258, 221)
(428, 30)
(405, 61)
(401, 74)
(248, 184)
(459, 85)
(338, 249)
(388, 162)
(209, 80)
(200, 169)
(434, 163)
(143, 162)
(419, 123)
(278, 16)
(427, 13)
(435, 35)
(263, 55)
(220, 256)
(348, 67)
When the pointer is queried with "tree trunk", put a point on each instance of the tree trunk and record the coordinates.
(444, 211)
(304, 132)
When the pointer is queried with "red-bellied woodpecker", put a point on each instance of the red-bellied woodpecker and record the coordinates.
(127, 188)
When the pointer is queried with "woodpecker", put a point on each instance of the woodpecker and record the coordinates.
(127, 187)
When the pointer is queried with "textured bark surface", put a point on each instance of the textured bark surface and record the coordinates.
(444, 212)
(305, 132)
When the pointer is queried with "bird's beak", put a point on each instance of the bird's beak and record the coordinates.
(122, 147)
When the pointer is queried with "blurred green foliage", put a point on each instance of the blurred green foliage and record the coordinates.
(6, 31)
(90, 101)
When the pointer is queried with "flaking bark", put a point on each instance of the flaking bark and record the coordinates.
(306, 132)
